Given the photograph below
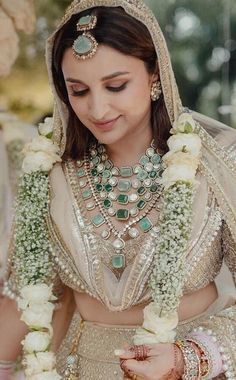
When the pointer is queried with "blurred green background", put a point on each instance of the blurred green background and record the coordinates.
(201, 35)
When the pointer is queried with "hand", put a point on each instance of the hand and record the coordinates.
(164, 361)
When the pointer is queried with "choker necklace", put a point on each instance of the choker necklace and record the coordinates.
(127, 194)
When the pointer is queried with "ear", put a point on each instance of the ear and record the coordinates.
(155, 76)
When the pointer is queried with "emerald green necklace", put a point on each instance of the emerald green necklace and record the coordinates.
(126, 194)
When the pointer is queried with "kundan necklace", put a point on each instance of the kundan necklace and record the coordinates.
(127, 194)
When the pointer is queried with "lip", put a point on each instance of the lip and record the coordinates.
(106, 124)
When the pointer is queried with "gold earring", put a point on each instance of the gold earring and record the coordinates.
(156, 91)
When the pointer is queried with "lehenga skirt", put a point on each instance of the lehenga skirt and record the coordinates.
(94, 348)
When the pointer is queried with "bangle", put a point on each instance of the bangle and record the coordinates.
(6, 365)
(204, 358)
(191, 360)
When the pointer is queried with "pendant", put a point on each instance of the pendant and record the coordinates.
(118, 244)
(118, 261)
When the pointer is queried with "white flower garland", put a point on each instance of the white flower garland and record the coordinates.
(32, 259)
(166, 281)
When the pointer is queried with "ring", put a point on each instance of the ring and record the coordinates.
(140, 352)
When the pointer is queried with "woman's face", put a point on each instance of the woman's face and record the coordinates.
(110, 94)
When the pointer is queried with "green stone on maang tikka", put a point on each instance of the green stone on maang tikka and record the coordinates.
(84, 21)
(145, 224)
(82, 45)
(118, 261)
(98, 220)
(122, 214)
(123, 199)
(126, 171)
(124, 185)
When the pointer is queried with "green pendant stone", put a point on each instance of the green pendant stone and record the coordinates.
(156, 159)
(123, 199)
(107, 203)
(108, 187)
(99, 187)
(98, 220)
(86, 194)
(153, 188)
(81, 172)
(85, 20)
(118, 261)
(94, 172)
(153, 174)
(124, 185)
(142, 175)
(144, 160)
(122, 214)
(82, 45)
(126, 171)
(141, 204)
(145, 224)
(141, 190)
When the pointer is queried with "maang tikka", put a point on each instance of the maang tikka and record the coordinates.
(85, 46)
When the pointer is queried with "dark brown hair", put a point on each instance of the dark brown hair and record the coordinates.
(115, 28)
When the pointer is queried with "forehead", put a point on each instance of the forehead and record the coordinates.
(105, 62)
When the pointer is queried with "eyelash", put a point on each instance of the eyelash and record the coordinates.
(109, 88)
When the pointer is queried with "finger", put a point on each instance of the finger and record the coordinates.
(137, 367)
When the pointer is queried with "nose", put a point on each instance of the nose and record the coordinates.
(98, 106)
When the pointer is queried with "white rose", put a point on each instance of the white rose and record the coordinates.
(39, 161)
(41, 144)
(180, 158)
(38, 362)
(184, 124)
(47, 360)
(46, 128)
(38, 293)
(190, 143)
(49, 375)
(38, 315)
(176, 173)
(36, 341)
(156, 329)
(32, 365)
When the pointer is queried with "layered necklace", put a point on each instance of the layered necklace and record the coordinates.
(126, 194)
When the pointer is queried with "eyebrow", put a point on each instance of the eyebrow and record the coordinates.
(111, 76)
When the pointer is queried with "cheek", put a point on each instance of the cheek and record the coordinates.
(78, 106)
